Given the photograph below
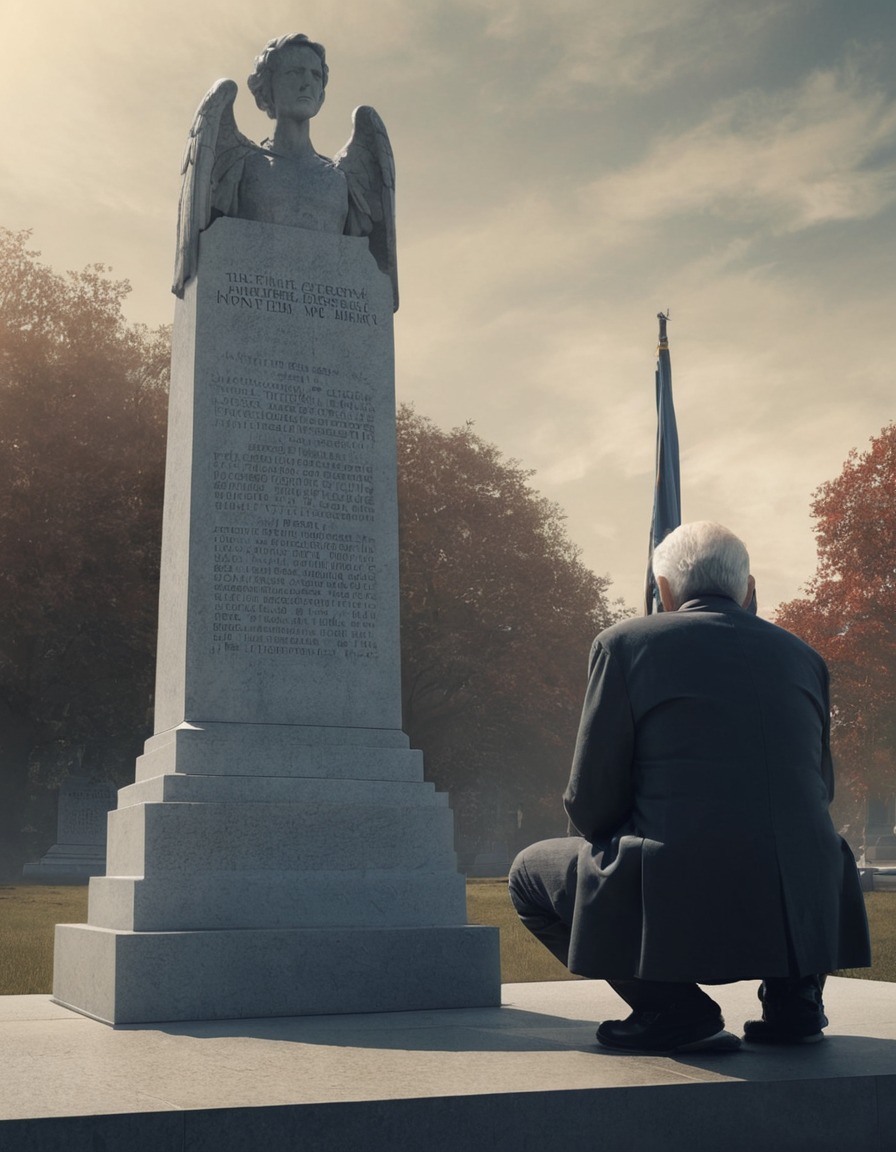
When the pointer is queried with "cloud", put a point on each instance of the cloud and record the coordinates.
(783, 161)
(577, 49)
(565, 171)
(770, 392)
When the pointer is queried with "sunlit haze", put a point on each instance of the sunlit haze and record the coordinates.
(565, 171)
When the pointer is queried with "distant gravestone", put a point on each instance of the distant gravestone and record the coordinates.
(493, 859)
(880, 833)
(280, 853)
(80, 848)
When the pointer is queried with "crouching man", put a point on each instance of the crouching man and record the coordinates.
(700, 788)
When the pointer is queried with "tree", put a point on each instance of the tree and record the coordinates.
(497, 609)
(849, 613)
(498, 614)
(82, 441)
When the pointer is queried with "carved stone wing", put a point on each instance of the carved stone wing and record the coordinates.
(211, 171)
(368, 165)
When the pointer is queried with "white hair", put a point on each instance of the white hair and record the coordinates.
(703, 558)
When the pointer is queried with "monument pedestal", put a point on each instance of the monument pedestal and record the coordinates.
(279, 853)
(137, 978)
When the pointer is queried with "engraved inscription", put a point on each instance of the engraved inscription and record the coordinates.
(261, 292)
(295, 588)
(337, 302)
(82, 812)
(294, 557)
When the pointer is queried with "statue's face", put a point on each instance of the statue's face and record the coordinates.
(297, 82)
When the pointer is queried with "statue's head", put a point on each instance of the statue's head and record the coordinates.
(275, 53)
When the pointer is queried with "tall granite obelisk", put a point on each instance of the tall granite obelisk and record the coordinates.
(280, 852)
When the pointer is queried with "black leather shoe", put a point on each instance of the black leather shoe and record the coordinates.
(792, 1012)
(764, 1032)
(674, 1029)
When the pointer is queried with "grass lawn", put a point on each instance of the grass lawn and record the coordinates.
(28, 914)
(523, 958)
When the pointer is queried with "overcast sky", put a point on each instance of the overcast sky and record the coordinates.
(565, 171)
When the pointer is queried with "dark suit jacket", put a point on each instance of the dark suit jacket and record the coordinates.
(701, 783)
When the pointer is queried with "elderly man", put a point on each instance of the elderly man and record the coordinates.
(700, 788)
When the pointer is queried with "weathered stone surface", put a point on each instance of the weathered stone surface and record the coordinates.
(280, 488)
(128, 978)
(279, 789)
(279, 852)
(281, 750)
(154, 839)
(281, 899)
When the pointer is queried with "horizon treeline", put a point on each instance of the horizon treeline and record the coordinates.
(497, 610)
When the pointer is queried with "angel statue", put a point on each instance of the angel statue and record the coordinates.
(284, 181)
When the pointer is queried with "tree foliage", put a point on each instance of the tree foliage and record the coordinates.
(497, 609)
(848, 613)
(82, 413)
(498, 614)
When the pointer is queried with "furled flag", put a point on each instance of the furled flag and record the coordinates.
(667, 494)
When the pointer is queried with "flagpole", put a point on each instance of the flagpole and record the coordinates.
(667, 485)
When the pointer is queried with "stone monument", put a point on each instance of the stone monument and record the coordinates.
(279, 852)
(80, 848)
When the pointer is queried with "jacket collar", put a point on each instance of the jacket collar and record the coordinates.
(710, 602)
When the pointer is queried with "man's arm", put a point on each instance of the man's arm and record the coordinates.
(600, 793)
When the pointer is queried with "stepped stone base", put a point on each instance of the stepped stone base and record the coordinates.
(280, 750)
(148, 977)
(327, 887)
(283, 900)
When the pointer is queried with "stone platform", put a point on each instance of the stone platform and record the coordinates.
(527, 1076)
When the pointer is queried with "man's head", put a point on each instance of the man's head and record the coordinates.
(261, 82)
(702, 558)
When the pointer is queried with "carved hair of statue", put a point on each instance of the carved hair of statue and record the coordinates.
(260, 81)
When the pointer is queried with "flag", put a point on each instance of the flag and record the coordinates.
(667, 493)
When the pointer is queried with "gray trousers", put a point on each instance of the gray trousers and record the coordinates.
(542, 886)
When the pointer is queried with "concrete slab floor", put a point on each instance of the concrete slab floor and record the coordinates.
(57, 1063)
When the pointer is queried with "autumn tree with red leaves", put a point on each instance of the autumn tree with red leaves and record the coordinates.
(849, 614)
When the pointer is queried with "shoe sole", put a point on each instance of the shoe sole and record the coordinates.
(719, 1042)
(785, 1041)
